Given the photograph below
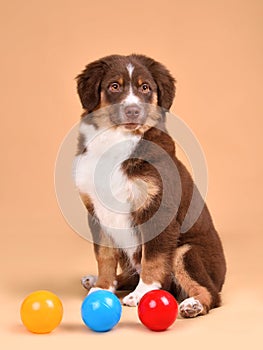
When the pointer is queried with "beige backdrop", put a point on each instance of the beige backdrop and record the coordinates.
(215, 51)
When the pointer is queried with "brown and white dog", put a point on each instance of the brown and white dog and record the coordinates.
(124, 100)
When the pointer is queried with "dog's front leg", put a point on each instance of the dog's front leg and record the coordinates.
(107, 259)
(152, 277)
(156, 265)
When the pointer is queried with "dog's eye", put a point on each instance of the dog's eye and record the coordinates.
(145, 88)
(115, 87)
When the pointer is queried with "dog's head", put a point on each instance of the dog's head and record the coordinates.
(125, 91)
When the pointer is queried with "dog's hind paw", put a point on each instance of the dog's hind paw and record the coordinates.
(88, 281)
(190, 307)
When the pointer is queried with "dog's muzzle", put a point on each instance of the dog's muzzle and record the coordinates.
(133, 116)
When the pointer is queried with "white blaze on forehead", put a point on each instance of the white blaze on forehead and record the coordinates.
(131, 98)
(130, 69)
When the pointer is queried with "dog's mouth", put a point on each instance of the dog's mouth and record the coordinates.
(131, 126)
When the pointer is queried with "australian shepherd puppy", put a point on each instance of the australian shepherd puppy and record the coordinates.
(138, 193)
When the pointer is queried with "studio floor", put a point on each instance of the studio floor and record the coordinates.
(56, 262)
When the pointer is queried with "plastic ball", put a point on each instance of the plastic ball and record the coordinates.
(157, 310)
(41, 312)
(101, 311)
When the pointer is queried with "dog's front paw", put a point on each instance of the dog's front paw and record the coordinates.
(94, 289)
(89, 281)
(190, 307)
(132, 299)
(142, 288)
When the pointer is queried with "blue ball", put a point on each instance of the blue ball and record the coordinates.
(101, 311)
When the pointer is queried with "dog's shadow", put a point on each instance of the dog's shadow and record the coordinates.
(66, 288)
(70, 287)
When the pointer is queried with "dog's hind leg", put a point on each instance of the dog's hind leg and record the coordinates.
(129, 276)
(193, 277)
(127, 280)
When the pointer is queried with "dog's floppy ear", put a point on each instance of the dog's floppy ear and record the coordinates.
(88, 85)
(162, 77)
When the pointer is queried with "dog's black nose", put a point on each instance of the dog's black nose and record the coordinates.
(132, 111)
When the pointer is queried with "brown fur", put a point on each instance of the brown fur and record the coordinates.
(190, 263)
(107, 259)
(190, 286)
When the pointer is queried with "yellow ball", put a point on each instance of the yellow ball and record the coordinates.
(41, 312)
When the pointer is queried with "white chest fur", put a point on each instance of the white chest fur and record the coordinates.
(98, 173)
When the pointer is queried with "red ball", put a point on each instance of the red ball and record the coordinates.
(157, 310)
